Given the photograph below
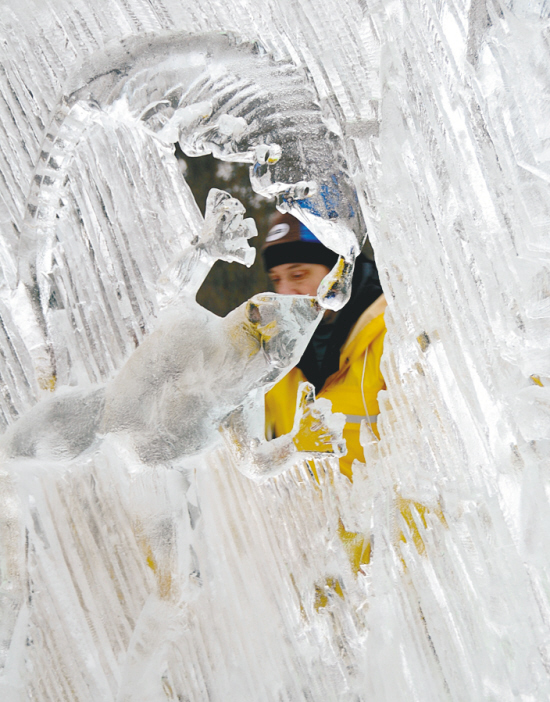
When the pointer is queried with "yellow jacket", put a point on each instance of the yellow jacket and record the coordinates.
(359, 359)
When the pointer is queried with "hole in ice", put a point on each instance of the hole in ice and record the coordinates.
(230, 284)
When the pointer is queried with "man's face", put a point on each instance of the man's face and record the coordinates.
(297, 278)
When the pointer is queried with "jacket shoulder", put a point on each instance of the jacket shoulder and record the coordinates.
(363, 331)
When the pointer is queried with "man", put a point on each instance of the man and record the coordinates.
(342, 359)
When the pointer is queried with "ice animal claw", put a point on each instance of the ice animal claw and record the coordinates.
(225, 233)
(306, 395)
(267, 153)
(335, 288)
(316, 432)
(316, 429)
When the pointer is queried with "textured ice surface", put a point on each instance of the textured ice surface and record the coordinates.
(131, 580)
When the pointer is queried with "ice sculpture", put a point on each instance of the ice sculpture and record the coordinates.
(123, 580)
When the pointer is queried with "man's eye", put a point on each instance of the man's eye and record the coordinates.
(298, 275)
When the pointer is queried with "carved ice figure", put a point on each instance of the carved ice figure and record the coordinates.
(190, 376)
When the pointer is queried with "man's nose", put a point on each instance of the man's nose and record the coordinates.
(287, 287)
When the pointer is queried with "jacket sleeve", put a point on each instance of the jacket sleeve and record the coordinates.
(280, 404)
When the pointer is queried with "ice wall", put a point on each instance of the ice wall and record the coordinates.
(122, 581)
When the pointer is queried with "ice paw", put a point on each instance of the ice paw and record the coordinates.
(225, 233)
(317, 430)
(335, 288)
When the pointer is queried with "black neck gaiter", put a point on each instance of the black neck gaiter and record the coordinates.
(322, 355)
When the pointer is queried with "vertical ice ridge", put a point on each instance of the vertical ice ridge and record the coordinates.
(19, 387)
(93, 560)
(473, 307)
(106, 203)
(18, 134)
(489, 379)
(13, 186)
(14, 372)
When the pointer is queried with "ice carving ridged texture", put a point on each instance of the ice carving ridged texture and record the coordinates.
(427, 578)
